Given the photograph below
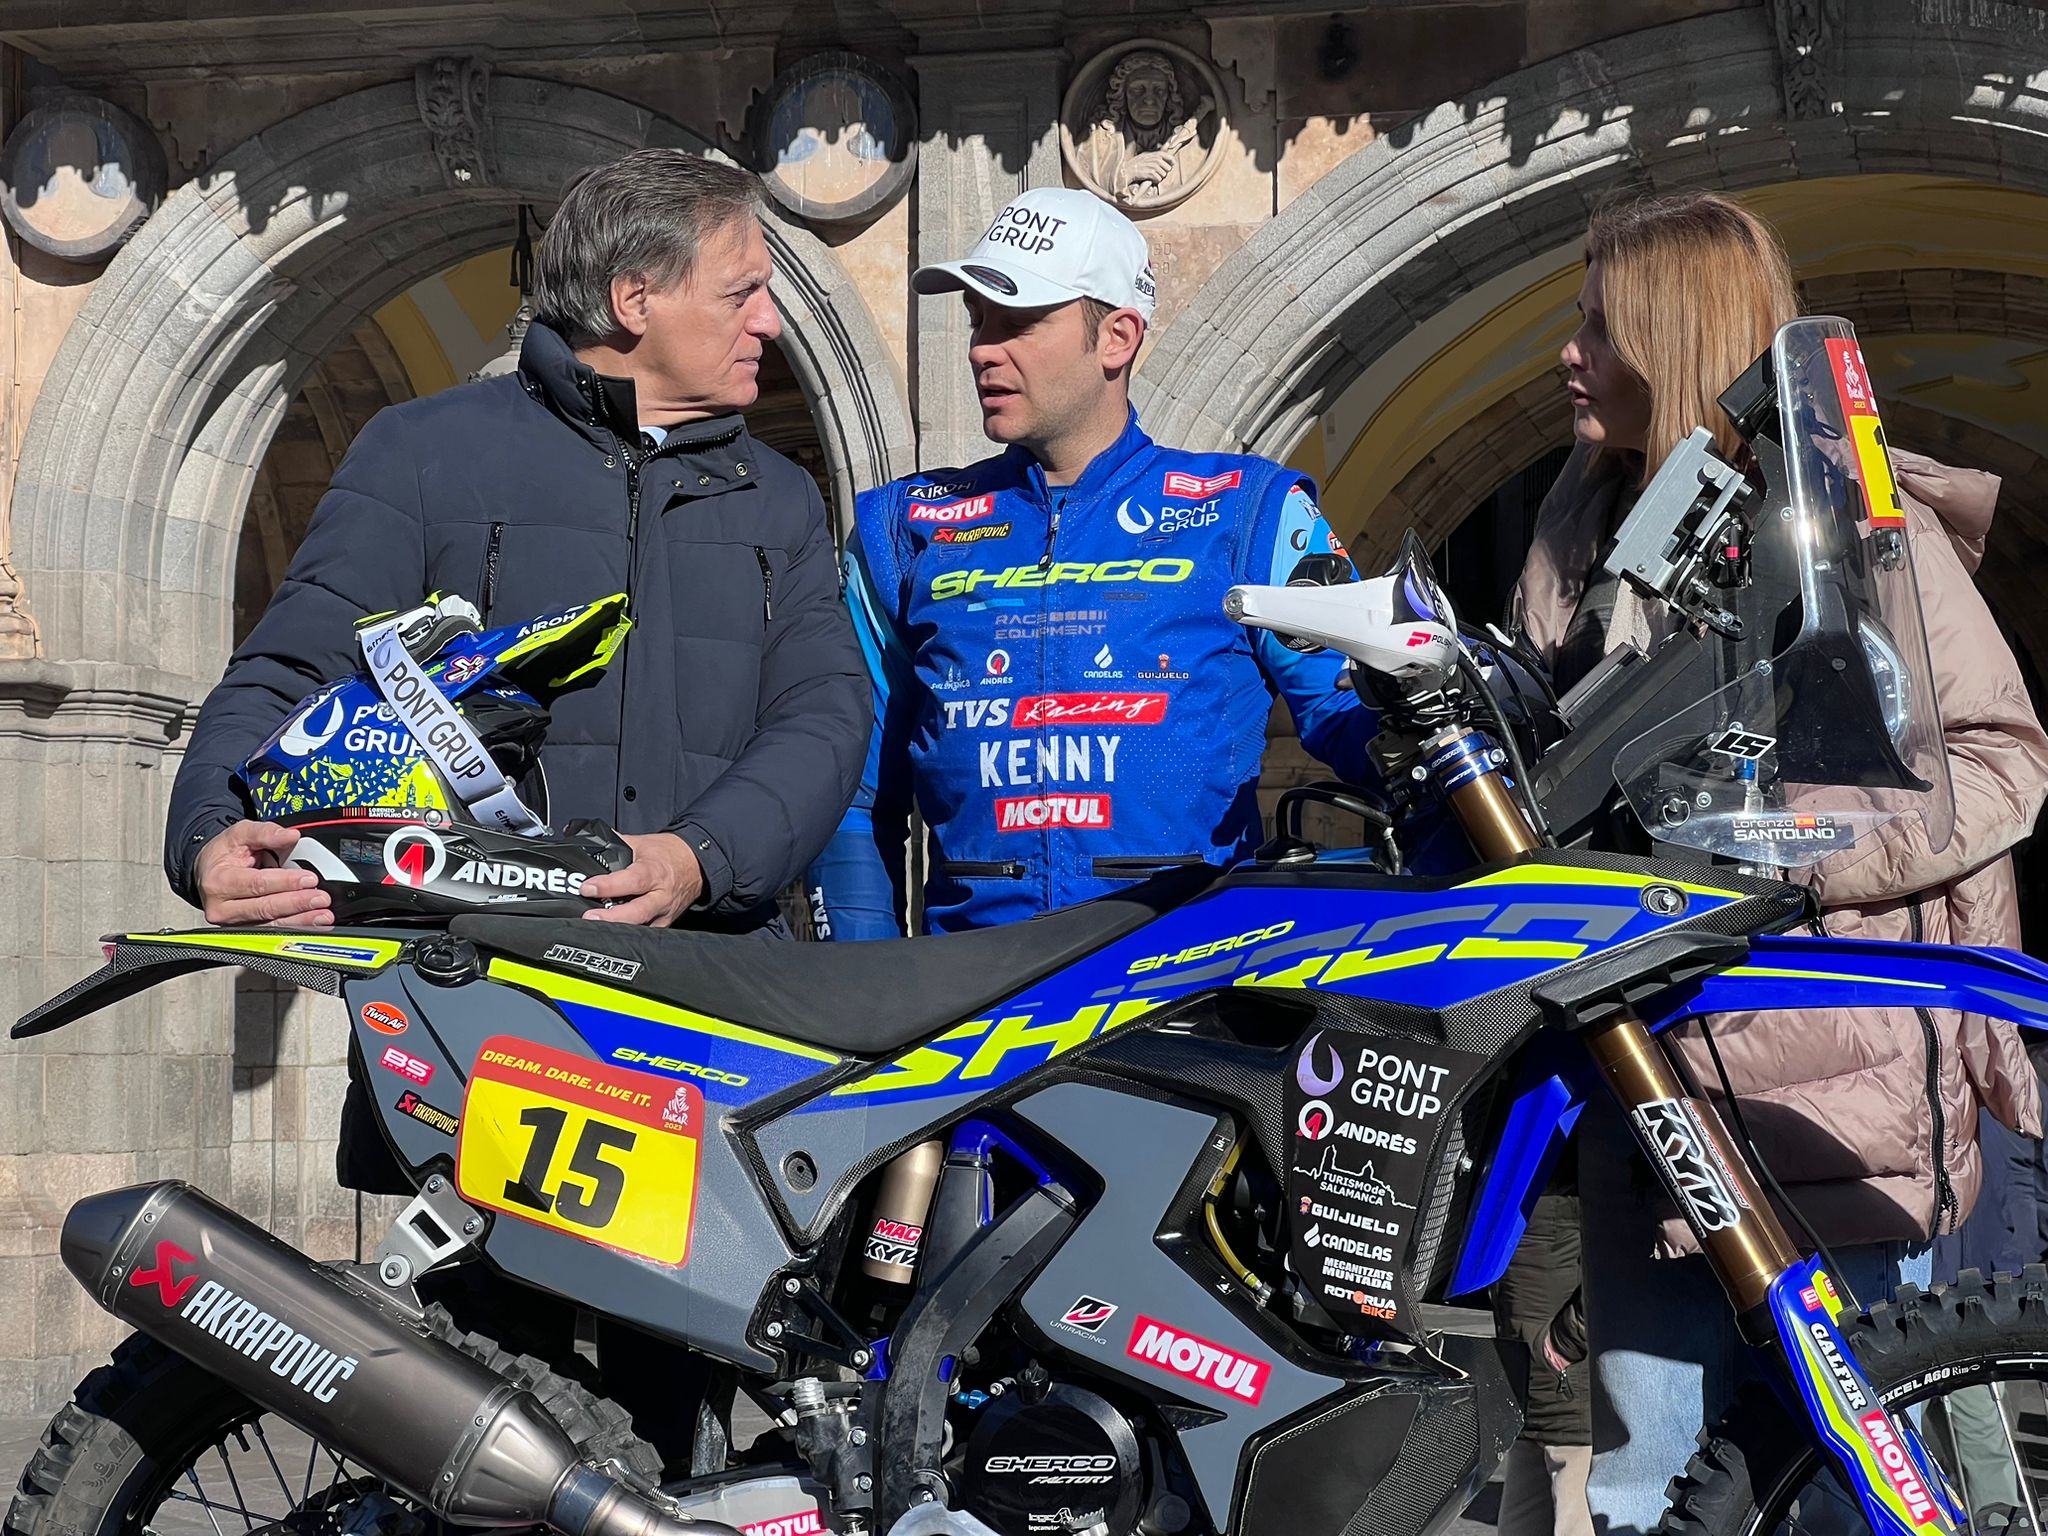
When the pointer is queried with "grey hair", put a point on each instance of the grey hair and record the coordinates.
(646, 214)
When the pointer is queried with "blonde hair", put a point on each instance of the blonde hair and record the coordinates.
(1694, 286)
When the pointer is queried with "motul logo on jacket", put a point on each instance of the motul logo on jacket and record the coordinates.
(1899, 1470)
(1087, 708)
(1196, 1359)
(955, 511)
(1194, 487)
(1033, 813)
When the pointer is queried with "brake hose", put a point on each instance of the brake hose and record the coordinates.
(1525, 787)
(1261, 1292)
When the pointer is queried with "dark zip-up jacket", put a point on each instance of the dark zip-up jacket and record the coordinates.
(737, 713)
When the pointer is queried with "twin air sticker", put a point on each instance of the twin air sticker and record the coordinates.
(1866, 434)
(596, 1151)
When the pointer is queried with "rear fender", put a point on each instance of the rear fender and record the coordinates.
(138, 961)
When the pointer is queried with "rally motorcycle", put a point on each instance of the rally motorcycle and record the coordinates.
(1166, 1213)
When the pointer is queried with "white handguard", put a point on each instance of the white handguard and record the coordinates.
(1361, 620)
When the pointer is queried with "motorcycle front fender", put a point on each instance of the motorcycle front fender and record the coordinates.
(1793, 971)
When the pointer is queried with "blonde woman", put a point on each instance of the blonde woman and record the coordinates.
(1869, 1118)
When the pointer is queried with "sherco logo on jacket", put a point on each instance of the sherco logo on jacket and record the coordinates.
(1128, 714)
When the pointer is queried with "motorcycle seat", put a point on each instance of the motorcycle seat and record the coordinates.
(864, 999)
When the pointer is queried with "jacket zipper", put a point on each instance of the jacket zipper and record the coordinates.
(491, 569)
(1947, 1208)
(632, 570)
(1002, 869)
(767, 585)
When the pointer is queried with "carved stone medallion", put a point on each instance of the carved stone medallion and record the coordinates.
(836, 138)
(78, 176)
(1141, 125)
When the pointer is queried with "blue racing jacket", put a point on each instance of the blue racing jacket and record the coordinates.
(1057, 688)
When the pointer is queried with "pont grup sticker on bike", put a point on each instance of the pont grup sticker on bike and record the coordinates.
(596, 1151)
(1366, 1115)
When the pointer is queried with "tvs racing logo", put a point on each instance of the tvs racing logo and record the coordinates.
(1088, 708)
(955, 511)
(1196, 1359)
(170, 1285)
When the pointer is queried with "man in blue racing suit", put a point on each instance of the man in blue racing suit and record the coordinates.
(1056, 683)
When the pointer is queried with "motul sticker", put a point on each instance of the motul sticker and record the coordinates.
(1032, 813)
(1899, 1469)
(807, 1523)
(1193, 1358)
(409, 1067)
(385, 1019)
(1180, 483)
(1088, 709)
(955, 511)
(1866, 434)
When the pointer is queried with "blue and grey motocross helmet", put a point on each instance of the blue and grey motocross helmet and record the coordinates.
(415, 784)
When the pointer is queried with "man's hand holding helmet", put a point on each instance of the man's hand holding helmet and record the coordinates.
(241, 878)
(655, 889)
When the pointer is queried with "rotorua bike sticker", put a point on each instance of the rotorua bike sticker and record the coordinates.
(596, 1151)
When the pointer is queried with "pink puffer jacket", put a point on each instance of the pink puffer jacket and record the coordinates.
(1855, 1110)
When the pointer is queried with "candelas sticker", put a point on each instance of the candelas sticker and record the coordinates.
(1866, 434)
(599, 1152)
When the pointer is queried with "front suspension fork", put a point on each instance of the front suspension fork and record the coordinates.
(1786, 1306)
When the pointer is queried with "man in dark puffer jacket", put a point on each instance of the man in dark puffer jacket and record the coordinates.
(727, 737)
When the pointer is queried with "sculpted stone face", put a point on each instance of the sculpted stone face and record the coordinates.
(1145, 97)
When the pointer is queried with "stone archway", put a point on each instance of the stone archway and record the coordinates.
(1472, 189)
(144, 439)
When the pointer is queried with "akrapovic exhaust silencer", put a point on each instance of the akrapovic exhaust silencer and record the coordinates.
(346, 1366)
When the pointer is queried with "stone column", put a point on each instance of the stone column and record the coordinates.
(991, 129)
(18, 638)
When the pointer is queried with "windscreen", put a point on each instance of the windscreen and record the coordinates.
(1824, 739)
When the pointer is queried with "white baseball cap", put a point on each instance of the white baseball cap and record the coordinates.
(1049, 246)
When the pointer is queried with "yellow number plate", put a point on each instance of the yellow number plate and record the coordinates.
(598, 1152)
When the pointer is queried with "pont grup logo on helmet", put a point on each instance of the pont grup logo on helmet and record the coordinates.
(313, 727)
(425, 711)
